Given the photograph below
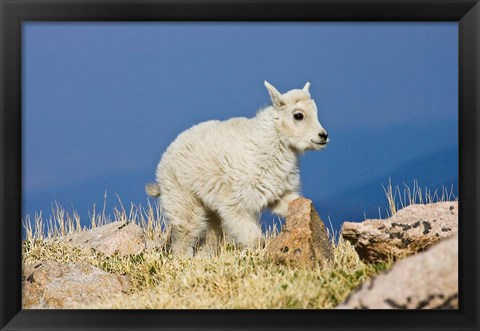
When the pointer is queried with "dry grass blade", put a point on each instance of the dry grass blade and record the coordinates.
(229, 278)
(414, 195)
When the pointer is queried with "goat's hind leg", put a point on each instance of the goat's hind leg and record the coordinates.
(213, 238)
(187, 219)
(243, 228)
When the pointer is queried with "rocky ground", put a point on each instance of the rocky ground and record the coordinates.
(118, 266)
(428, 280)
(410, 230)
(425, 280)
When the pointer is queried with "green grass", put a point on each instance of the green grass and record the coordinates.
(232, 278)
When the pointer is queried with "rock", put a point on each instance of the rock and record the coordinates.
(412, 229)
(303, 241)
(151, 245)
(122, 238)
(50, 284)
(428, 280)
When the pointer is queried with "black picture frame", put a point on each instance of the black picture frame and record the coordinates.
(14, 12)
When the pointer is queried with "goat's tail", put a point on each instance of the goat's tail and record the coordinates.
(153, 190)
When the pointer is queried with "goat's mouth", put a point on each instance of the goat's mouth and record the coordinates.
(321, 143)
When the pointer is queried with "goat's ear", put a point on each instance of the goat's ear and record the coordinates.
(274, 95)
(307, 87)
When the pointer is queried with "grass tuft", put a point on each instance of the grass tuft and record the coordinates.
(231, 278)
(399, 199)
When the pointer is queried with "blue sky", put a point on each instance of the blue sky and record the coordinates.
(102, 101)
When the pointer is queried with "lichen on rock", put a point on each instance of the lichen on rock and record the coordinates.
(412, 229)
(303, 241)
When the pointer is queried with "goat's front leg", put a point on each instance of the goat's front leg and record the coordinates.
(281, 207)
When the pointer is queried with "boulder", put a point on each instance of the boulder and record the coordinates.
(428, 280)
(121, 237)
(50, 284)
(303, 241)
(412, 229)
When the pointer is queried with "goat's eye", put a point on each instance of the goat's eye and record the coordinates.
(298, 116)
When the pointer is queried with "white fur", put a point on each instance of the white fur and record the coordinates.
(220, 175)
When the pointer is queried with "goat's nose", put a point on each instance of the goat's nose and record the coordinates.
(323, 135)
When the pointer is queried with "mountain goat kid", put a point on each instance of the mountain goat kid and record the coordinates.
(219, 175)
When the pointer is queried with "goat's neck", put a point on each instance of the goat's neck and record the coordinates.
(273, 144)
